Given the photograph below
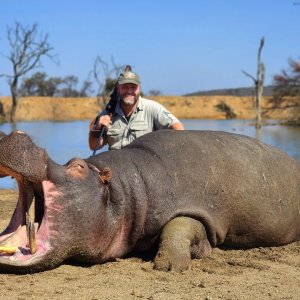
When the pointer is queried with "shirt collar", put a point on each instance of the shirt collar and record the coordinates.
(141, 104)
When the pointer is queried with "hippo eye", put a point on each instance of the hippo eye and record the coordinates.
(77, 168)
(80, 166)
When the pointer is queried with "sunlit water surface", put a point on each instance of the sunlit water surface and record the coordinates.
(64, 140)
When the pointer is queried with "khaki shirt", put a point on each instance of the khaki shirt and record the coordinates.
(147, 117)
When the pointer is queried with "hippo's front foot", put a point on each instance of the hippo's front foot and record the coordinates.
(182, 238)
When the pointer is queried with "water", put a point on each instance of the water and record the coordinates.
(64, 140)
(286, 138)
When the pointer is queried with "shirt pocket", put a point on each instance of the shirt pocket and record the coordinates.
(114, 131)
(138, 129)
(114, 137)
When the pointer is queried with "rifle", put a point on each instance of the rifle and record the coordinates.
(110, 108)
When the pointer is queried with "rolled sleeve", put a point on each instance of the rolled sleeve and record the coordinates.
(163, 118)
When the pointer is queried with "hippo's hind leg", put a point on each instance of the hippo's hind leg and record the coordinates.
(182, 238)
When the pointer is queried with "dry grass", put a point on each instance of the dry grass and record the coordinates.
(204, 107)
(197, 107)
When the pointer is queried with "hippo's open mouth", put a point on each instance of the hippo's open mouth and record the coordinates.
(26, 238)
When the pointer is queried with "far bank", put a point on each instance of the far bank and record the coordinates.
(193, 107)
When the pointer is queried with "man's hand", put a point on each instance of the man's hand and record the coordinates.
(105, 121)
(95, 132)
(177, 126)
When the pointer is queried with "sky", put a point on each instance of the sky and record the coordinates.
(175, 46)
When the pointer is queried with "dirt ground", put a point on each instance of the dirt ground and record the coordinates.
(262, 273)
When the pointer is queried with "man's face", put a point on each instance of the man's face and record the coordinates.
(129, 93)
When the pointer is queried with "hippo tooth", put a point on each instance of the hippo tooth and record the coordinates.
(30, 215)
(32, 241)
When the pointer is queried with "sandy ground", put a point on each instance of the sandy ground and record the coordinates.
(262, 273)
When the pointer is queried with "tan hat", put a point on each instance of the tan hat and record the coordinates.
(129, 77)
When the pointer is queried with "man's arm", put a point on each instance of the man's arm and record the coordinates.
(95, 133)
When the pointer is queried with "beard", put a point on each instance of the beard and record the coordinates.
(129, 100)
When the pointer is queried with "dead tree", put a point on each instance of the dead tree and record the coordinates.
(104, 76)
(258, 83)
(26, 51)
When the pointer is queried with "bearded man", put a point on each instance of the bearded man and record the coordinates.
(133, 117)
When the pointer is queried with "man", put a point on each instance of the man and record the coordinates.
(134, 116)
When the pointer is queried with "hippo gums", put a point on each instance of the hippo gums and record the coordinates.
(179, 193)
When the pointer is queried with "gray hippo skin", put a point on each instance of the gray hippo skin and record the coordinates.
(183, 191)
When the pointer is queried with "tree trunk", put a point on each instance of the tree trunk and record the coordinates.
(259, 85)
(258, 106)
(14, 96)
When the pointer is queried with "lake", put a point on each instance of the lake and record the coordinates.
(64, 140)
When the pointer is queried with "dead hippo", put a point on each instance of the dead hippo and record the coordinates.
(183, 191)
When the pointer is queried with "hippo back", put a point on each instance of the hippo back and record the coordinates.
(243, 189)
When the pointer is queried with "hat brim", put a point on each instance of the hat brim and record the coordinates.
(124, 81)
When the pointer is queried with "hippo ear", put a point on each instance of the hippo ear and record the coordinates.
(105, 175)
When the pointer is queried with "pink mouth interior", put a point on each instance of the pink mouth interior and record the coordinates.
(16, 236)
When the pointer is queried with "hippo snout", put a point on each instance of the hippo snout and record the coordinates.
(20, 157)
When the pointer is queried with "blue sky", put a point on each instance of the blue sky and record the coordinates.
(175, 46)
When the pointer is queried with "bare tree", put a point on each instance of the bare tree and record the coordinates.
(258, 83)
(86, 89)
(104, 76)
(26, 51)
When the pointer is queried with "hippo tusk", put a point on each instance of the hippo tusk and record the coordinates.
(8, 249)
(30, 216)
(30, 228)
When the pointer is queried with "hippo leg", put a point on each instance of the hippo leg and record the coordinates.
(182, 238)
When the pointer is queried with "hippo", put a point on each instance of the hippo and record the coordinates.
(177, 194)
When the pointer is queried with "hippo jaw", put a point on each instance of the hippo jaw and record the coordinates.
(29, 230)
(31, 233)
